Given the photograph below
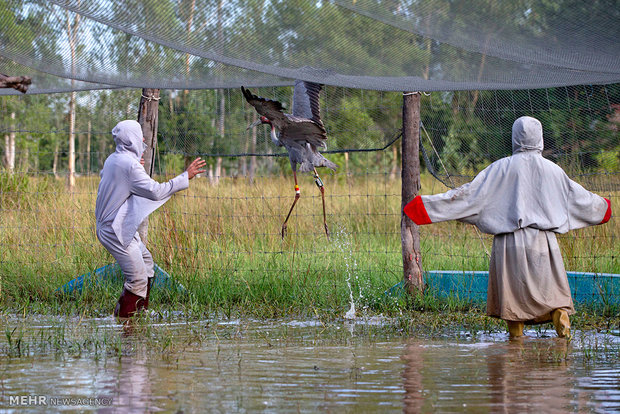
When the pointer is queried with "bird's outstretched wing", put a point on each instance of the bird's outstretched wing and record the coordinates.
(306, 100)
(304, 130)
(269, 108)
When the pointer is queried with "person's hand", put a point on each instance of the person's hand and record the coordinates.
(195, 168)
(142, 161)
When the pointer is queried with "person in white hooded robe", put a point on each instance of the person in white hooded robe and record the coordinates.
(125, 197)
(523, 200)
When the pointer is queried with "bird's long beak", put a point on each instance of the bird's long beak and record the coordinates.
(253, 124)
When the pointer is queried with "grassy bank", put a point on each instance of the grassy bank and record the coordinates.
(223, 244)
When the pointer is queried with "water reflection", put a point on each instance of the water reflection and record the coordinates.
(310, 367)
(129, 386)
(412, 377)
(524, 375)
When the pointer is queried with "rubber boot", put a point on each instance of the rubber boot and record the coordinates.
(561, 322)
(148, 292)
(128, 304)
(515, 329)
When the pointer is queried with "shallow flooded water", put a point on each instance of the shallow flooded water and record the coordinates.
(300, 366)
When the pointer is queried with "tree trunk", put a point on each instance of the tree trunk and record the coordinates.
(222, 131)
(88, 136)
(218, 170)
(25, 160)
(410, 236)
(148, 117)
(36, 159)
(222, 104)
(394, 163)
(71, 173)
(190, 21)
(55, 163)
(101, 156)
(5, 156)
(253, 150)
(79, 154)
(72, 35)
(10, 146)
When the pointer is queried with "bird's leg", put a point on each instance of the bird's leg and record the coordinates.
(319, 183)
(297, 195)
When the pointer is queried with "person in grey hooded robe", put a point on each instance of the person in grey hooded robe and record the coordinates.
(523, 200)
(125, 197)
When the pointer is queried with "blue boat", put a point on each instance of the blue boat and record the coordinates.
(112, 274)
(586, 288)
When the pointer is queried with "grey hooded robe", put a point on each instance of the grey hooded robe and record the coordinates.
(523, 200)
(126, 196)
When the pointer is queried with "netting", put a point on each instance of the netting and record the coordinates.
(227, 225)
(484, 62)
(428, 45)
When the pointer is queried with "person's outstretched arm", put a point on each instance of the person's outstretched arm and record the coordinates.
(144, 186)
(586, 208)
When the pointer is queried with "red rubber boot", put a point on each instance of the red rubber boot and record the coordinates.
(148, 292)
(128, 304)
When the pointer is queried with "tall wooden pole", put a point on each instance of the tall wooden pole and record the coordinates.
(410, 236)
(148, 117)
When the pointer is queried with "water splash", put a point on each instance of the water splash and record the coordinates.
(342, 240)
(351, 312)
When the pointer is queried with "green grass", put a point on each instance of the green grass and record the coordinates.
(223, 244)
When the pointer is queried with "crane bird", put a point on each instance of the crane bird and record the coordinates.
(301, 133)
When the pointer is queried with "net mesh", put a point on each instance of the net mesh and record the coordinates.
(483, 63)
(427, 45)
(227, 225)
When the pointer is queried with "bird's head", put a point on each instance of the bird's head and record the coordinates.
(262, 120)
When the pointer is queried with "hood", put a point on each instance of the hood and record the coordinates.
(527, 135)
(128, 138)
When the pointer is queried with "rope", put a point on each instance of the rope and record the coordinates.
(151, 98)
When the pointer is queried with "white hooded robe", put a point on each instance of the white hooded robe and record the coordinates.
(126, 196)
(523, 200)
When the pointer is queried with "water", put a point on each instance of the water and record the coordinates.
(343, 242)
(304, 366)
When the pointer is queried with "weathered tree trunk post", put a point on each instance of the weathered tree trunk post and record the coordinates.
(148, 117)
(410, 236)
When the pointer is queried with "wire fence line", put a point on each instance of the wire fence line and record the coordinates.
(227, 225)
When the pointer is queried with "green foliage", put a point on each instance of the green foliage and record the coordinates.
(16, 190)
(608, 160)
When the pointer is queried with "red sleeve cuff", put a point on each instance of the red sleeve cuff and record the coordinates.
(416, 211)
(607, 213)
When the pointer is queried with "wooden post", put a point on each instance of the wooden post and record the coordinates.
(148, 117)
(410, 236)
